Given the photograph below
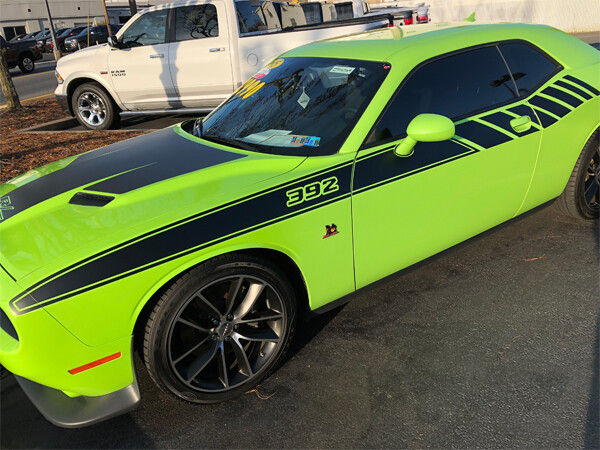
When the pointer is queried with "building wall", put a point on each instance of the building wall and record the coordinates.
(568, 15)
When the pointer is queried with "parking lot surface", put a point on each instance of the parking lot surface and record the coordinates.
(493, 343)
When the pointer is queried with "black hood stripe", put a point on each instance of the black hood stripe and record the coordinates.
(123, 167)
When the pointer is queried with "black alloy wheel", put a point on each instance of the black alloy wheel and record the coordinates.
(220, 329)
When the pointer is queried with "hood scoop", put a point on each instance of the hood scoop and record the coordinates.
(88, 199)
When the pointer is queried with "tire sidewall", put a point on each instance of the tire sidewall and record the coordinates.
(110, 118)
(157, 336)
(22, 66)
(583, 208)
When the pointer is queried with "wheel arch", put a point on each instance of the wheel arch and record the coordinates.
(278, 257)
(76, 82)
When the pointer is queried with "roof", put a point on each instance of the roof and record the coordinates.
(389, 44)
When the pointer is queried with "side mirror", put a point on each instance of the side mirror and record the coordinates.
(113, 42)
(425, 128)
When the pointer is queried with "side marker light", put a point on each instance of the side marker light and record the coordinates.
(94, 364)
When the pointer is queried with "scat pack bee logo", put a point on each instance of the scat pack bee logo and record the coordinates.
(5, 205)
(330, 230)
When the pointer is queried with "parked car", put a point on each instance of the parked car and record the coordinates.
(18, 37)
(21, 53)
(229, 40)
(48, 39)
(41, 40)
(97, 35)
(60, 38)
(335, 165)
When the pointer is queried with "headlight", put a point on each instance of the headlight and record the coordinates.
(58, 77)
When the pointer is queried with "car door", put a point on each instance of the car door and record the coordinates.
(200, 55)
(139, 71)
(408, 208)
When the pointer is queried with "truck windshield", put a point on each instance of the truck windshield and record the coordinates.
(297, 106)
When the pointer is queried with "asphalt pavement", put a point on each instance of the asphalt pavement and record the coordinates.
(493, 343)
(41, 82)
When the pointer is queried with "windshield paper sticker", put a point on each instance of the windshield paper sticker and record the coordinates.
(342, 69)
(275, 63)
(304, 99)
(310, 141)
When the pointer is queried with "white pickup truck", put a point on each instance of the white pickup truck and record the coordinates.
(191, 55)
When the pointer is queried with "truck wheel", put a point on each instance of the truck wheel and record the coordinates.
(26, 63)
(581, 197)
(220, 329)
(94, 108)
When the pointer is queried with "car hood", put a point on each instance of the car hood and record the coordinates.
(61, 214)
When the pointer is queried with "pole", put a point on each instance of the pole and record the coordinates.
(57, 53)
(106, 18)
(132, 7)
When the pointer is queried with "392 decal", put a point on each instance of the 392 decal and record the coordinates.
(311, 191)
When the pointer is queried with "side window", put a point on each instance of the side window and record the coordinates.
(455, 86)
(528, 66)
(149, 29)
(253, 19)
(196, 22)
(312, 12)
(344, 11)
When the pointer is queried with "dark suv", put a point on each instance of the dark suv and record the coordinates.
(97, 35)
(21, 53)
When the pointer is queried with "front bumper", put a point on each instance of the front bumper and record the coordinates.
(40, 351)
(67, 412)
(64, 103)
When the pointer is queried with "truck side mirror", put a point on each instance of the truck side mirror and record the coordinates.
(113, 42)
(425, 128)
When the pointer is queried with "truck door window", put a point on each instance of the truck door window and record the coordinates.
(312, 12)
(256, 17)
(149, 29)
(196, 22)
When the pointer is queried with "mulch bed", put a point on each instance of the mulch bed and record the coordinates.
(20, 152)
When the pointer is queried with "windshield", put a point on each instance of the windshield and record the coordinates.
(297, 106)
(83, 32)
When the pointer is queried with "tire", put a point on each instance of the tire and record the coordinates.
(203, 349)
(94, 108)
(26, 63)
(581, 197)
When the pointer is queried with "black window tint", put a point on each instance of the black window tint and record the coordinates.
(528, 66)
(454, 86)
(149, 29)
(196, 22)
(344, 11)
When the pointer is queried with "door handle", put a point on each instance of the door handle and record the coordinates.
(158, 55)
(217, 49)
(521, 124)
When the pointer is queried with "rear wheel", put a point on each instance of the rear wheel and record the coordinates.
(220, 329)
(26, 63)
(581, 197)
(93, 107)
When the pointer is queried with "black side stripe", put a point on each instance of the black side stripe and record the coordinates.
(583, 84)
(183, 239)
(502, 120)
(386, 167)
(562, 95)
(574, 89)
(481, 134)
(550, 106)
(546, 119)
(524, 110)
(179, 222)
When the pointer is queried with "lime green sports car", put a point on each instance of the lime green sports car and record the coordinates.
(337, 164)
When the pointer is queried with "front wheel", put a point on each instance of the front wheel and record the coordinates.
(220, 329)
(26, 64)
(93, 107)
(581, 197)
